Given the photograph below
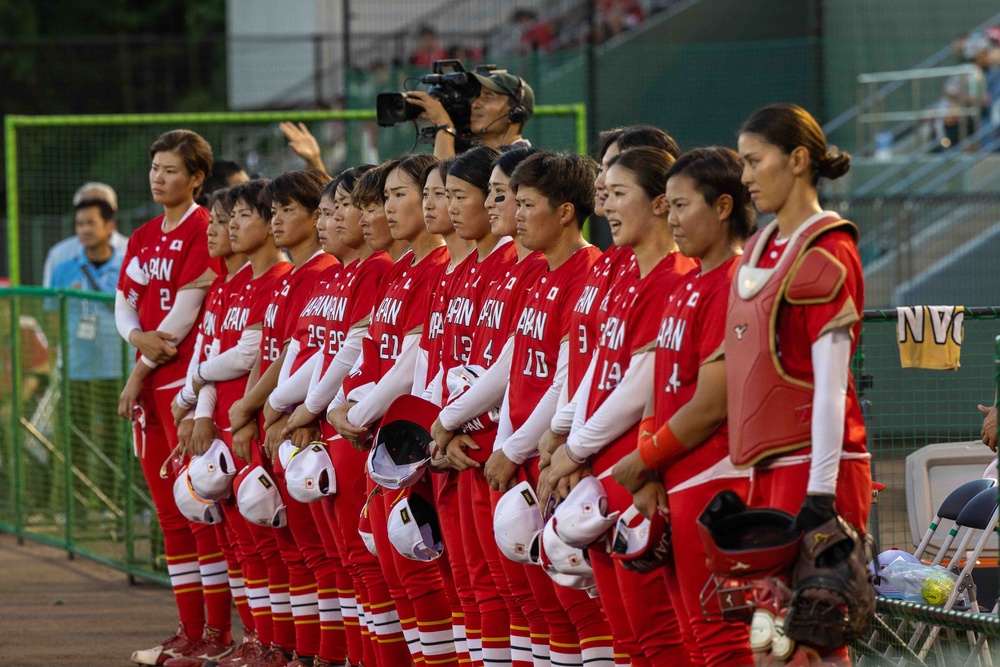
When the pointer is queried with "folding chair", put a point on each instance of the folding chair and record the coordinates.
(979, 515)
(949, 510)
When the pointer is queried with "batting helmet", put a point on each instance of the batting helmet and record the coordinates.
(402, 444)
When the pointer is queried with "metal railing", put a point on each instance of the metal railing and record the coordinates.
(938, 57)
(921, 106)
(68, 476)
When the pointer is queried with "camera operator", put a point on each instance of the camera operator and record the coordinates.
(504, 105)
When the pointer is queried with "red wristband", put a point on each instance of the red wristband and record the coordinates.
(659, 449)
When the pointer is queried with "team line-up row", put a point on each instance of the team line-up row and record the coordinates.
(451, 431)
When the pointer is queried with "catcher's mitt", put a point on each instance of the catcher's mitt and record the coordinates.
(833, 600)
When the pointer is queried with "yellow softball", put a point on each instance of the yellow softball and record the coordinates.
(937, 587)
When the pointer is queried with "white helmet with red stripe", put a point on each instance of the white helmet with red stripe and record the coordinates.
(258, 499)
(192, 505)
(640, 544)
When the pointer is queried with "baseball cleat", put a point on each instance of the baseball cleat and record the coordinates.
(175, 647)
(272, 657)
(212, 646)
(249, 650)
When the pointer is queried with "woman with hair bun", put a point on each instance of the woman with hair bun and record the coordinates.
(792, 327)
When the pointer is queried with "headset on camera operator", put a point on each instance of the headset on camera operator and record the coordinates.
(504, 105)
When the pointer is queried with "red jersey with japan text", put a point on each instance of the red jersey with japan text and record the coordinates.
(592, 307)
(353, 300)
(692, 333)
(502, 305)
(799, 326)
(172, 261)
(402, 310)
(635, 306)
(211, 315)
(432, 339)
(462, 315)
(310, 329)
(286, 303)
(245, 301)
(542, 325)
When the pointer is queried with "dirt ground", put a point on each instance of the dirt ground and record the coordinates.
(56, 612)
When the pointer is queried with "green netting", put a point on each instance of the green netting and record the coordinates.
(906, 409)
(49, 157)
(68, 476)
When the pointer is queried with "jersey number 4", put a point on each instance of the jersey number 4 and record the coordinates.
(674, 383)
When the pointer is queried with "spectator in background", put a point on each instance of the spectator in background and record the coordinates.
(536, 35)
(964, 96)
(617, 16)
(985, 53)
(70, 248)
(95, 358)
(225, 174)
(429, 49)
(33, 352)
(467, 54)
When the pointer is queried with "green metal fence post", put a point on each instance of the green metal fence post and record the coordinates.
(17, 381)
(129, 467)
(66, 414)
(13, 242)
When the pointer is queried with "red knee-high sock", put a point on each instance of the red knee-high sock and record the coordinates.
(366, 630)
(235, 564)
(214, 580)
(274, 620)
(466, 625)
(347, 604)
(319, 549)
(305, 610)
(185, 578)
(493, 594)
(155, 437)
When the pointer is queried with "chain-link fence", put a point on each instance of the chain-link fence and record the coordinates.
(49, 157)
(906, 409)
(68, 476)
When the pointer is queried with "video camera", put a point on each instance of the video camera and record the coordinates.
(451, 85)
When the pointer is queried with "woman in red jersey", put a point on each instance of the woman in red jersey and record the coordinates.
(428, 382)
(228, 368)
(710, 216)
(171, 262)
(351, 301)
(395, 331)
(793, 324)
(219, 246)
(607, 414)
(617, 262)
(196, 431)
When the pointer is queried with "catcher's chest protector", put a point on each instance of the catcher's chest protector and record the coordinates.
(769, 411)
